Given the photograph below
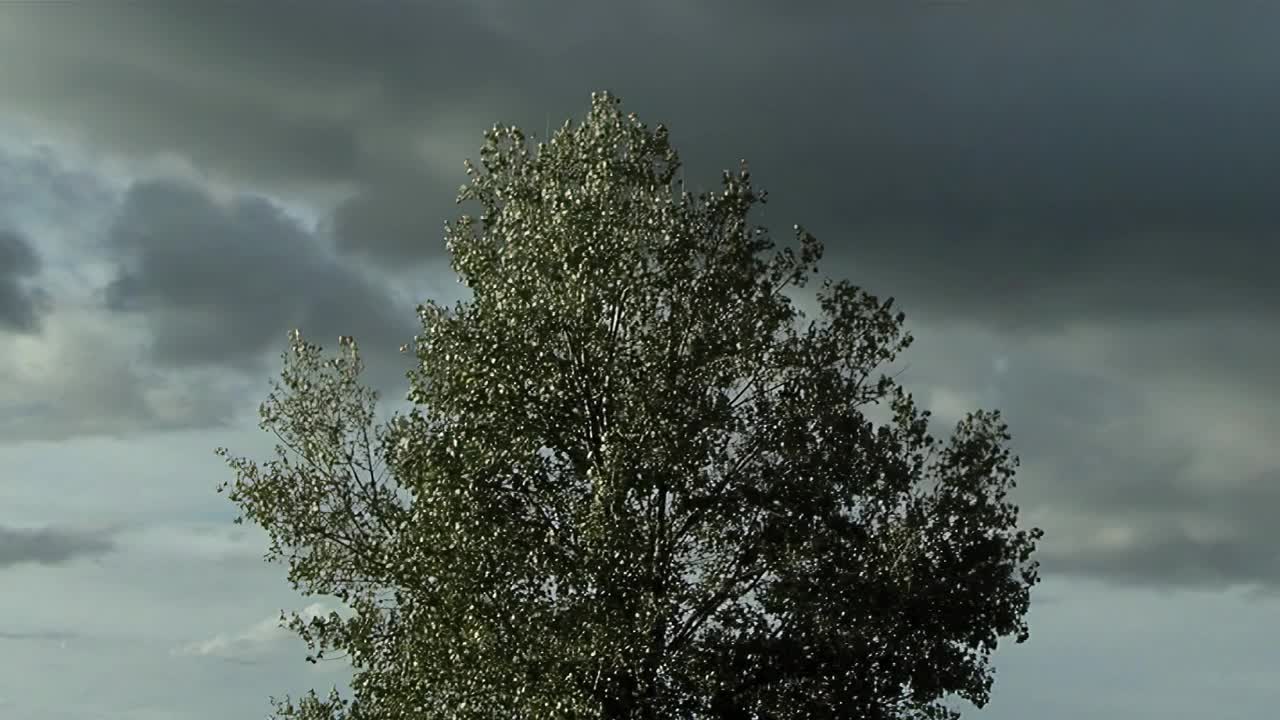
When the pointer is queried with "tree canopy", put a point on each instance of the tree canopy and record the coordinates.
(636, 481)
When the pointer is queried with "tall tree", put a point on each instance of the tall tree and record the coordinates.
(635, 482)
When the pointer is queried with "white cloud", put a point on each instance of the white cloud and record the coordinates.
(950, 405)
(253, 641)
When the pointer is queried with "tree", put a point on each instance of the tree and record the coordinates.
(635, 483)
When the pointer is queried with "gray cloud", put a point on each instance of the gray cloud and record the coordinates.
(1138, 477)
(50, 546)
(1161, 520)
(20, 305)
(36, 183)
(397, 219)
(1169, 557)
(83, 376)
(170, 347)
(219, 284)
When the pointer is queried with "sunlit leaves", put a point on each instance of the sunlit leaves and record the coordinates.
(637, 482)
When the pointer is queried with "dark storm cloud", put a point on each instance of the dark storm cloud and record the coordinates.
(277, 91)
(49, 546)
(221, 283)
(20, 304)
(1024, 166)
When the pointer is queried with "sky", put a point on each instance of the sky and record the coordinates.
(1072, 201)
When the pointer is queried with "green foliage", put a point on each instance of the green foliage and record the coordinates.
(636, 483)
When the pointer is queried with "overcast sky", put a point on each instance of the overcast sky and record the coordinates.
(1073, 201)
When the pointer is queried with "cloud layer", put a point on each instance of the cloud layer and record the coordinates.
(1102, 226)
(50, 546)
